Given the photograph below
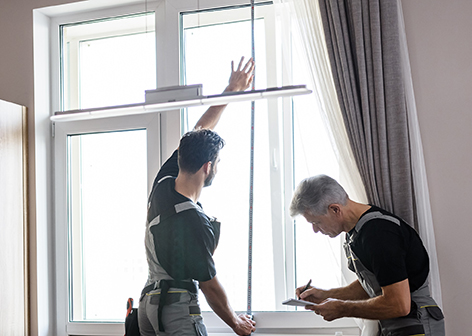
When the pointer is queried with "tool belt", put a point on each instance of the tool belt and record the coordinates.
(164, 286)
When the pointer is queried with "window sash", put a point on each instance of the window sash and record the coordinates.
(70, 49)
(149, 122)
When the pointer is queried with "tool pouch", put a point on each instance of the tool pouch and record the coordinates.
(435, 312)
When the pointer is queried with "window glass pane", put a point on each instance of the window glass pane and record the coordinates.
(116, 71)
(108, 62)
(208, 54)
(107, 188)
(318, 257)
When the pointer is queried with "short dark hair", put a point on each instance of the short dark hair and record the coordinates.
(197, 148)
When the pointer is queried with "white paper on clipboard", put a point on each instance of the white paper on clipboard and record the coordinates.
(295, 302)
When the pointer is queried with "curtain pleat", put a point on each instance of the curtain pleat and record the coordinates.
(363, 46)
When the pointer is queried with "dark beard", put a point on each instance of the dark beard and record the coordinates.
(209, 178)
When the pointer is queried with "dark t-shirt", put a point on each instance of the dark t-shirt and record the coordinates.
(185, 242)
(392, 252)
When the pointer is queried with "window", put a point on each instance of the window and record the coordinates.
(102, 168)
(108, 62)
(111, 62)
(279, 244)
(102, 178)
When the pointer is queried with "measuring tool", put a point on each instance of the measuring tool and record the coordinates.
(251, 176)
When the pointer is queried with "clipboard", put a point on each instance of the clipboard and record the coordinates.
(295, 302)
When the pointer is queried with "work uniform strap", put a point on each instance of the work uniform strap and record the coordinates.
(375, 215)
(162, 301)
(175, 209)
(164, 178)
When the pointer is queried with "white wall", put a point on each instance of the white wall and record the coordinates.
(440, 46)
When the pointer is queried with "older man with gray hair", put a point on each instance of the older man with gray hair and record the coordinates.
(387, 255)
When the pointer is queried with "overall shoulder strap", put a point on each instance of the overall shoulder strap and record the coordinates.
(375, 215)
(164, 178)
(175, 209)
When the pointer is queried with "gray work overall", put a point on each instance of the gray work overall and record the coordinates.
(167, 305)
(425, 317)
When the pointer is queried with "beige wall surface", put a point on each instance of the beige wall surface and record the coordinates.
(440, 45)
(16, 85)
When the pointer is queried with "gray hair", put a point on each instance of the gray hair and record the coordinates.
(315, 194)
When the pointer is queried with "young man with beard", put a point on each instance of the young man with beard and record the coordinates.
(181, 238)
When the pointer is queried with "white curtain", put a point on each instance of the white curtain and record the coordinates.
(306, 13)
(423, 207)
(310, 28)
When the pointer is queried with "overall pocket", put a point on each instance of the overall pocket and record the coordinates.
(433, 320)
(200, 328)
(435, 312)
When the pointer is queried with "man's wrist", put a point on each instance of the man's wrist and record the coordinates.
(233, 322)
(326, 294)
(347, 308)
(230, 88)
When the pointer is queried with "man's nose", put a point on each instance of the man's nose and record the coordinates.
(315, 228)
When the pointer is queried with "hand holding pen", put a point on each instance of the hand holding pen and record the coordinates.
(299, 292)
(312, 294)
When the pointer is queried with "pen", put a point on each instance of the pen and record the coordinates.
(306, 287)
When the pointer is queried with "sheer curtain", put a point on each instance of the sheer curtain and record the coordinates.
(307, 16)
(306, 13)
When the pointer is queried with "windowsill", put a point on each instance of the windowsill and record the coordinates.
(286, 323)
(268, 323)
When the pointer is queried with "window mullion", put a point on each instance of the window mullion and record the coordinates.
(288, 150)
(276, 164)
(290, 267)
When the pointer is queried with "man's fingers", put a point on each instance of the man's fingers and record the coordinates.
(308, 292)
(252, 67)
(240, 63)
(313, 307)
(249, 319)
(250, 62)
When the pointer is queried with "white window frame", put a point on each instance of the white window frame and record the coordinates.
(168, 126)
(149, 122)
(72, 91)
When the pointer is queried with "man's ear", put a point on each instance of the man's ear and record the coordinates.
(207, 167)
(335, 208)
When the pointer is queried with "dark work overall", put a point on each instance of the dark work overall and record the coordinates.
(425, 318)
(170, 306)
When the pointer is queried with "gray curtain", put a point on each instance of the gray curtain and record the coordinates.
(363, 46)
